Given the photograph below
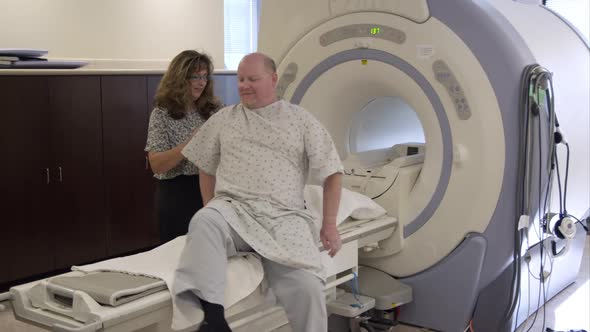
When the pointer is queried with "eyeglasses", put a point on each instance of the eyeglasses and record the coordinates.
(196, 78)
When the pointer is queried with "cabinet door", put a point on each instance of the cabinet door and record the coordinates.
(26, 242)
(76, 143)
(130, 185)
(152, 85)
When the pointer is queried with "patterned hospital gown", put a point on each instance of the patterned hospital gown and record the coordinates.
(261, 159)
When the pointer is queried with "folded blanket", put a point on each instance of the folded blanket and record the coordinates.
(244, 274)
(111, 288)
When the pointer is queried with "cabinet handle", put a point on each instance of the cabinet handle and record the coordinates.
(147, 163)
(47, 176)
(60, 174)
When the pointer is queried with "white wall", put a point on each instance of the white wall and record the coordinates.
(141, 33)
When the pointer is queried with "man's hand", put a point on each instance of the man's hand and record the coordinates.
(330, 239)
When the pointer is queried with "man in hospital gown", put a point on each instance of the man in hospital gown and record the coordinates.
(253, 160)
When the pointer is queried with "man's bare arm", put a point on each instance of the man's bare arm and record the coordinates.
(329, 233)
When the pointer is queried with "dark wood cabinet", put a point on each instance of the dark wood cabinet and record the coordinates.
(26, 244)
(52, 177)
(76, 186)
(129, 180)
(152, 86)
(77, 169)
(75, 183)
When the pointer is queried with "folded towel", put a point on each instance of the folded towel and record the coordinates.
(111, 288)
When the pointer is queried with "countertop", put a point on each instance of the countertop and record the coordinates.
(106, 67)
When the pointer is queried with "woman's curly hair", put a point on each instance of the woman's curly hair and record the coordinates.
(173, 92)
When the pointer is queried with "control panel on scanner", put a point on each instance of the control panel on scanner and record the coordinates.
(374, 172)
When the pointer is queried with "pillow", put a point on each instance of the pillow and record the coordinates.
(352, 204)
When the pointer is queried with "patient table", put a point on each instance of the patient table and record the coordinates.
(60, 309)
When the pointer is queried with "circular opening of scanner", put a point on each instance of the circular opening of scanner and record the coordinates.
(335, 89)
(384, 122)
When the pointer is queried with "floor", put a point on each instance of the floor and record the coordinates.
(569, 310)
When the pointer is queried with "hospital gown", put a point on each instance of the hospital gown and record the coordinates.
(261, 159)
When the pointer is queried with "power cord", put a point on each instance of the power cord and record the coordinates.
(536, 91)
(354, 285)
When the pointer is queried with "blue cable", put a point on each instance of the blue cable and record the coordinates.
(355, 291)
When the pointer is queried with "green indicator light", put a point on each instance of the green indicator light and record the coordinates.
(375, 31)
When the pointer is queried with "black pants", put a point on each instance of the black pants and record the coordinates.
(177, 200)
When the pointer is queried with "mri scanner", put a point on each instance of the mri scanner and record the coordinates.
(469, 213)
(444, 113)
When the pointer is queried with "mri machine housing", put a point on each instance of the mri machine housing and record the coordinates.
(458, 64)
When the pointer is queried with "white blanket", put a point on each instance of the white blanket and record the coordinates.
(244, 273)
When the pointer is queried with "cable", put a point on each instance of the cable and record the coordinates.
(565, 183)
(536, 88)
(541, 247)
(521, 193)
(567, 168)
(559, 185)
(355, 291)
(519, 300)
(528, 310)
(548, 191)
(469, 327)
(537, 96)
(541, 287)
(546, 289)
(553, 124)
(579, 221)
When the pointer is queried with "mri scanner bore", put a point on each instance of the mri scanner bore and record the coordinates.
(384, 122)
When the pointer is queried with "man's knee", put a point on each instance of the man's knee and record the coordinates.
(302, 285)
(205, 219)
(311, 289)
(305, 303)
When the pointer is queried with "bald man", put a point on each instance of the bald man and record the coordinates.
(253, 161)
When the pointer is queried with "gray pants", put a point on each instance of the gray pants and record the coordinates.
(203, 263)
